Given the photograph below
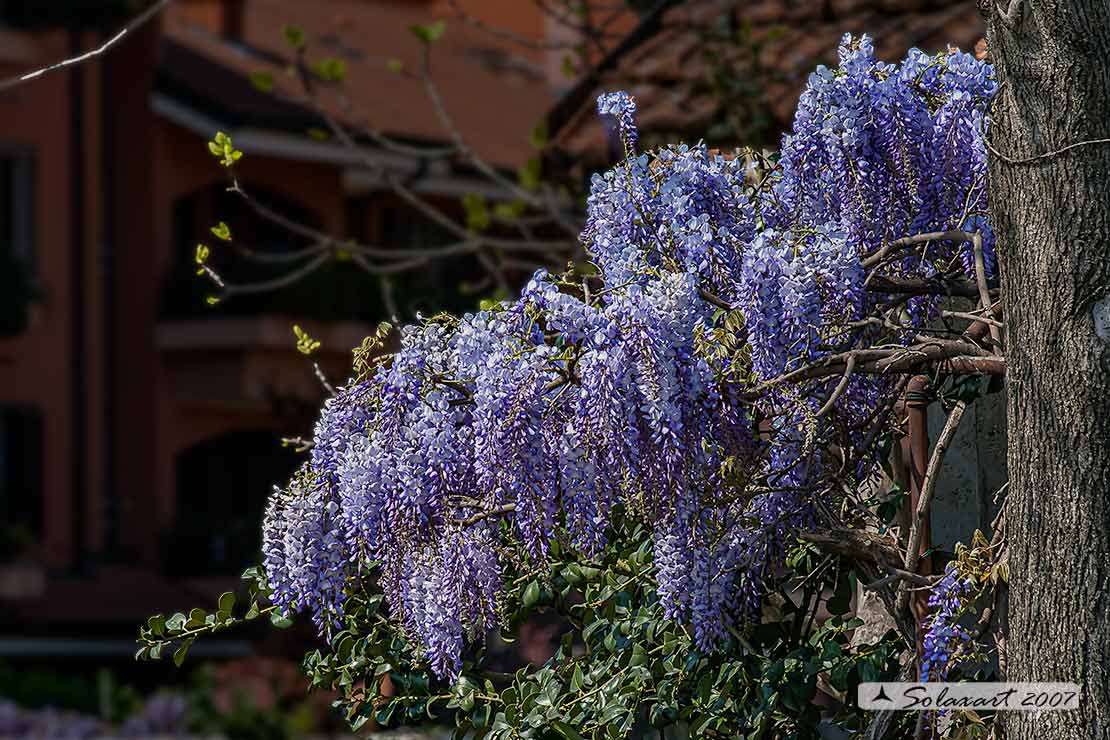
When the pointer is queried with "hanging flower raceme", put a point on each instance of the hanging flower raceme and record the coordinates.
(542, 416)
(945, 635)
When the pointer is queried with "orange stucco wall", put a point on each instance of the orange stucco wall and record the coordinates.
(35, 367)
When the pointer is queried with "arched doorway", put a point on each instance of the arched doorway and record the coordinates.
(221, 488)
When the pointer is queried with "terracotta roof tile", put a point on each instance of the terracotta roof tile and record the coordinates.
(794, 37)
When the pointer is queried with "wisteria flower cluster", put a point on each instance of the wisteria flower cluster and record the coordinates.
(485, 438)
(948, 600)
(947, 642)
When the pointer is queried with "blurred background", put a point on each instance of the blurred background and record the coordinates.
(140, 425)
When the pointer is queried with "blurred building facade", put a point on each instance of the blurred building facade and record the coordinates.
(139, 426)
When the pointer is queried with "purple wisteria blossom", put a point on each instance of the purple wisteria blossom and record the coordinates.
(622, 108)
(542, 416)
(949, 600)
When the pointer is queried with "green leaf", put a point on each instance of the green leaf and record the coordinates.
(430, 33)
(463, 694)
(294, 36)
(282, 623)
(227, 601)
(509, 211)
(394, 65)
(841, 600)
(566, 730)
(570, 70)
(181, 652)
(480, 717)
(344, 647)
(639, 657)
(529, 173)
(331, 69)
(222, 148)
(1000, 571)
(157, 625)
(306, 345)
(539, 135)
(577, 680)
(262, 81)
(531, 595)
(477, 213)
(222, 231)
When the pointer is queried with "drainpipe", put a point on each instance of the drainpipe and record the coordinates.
(110, 511)
(77, 299)
(915, 457)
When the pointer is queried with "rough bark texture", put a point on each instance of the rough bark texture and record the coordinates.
(1053, 222)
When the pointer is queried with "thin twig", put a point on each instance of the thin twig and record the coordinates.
(897, 574)
(714, 300)
(483, 515)
(971, 317)
(984, 291)
(139, 21)
(323, 379)
(961, 288)
(925, 499)
(447, 122)
(842, 386)
(300, 444)
(1039, 157)
(280, 282)
(507, 35)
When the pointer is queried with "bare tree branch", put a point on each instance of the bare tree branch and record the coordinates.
(483, 515)
(140, 20)
(984, 292)
(924, 501)
(849, 366)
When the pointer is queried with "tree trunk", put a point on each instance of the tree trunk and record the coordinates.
(1052, 217)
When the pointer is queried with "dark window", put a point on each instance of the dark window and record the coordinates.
(221, 487)
(443, 284)
(336, 290)
(17, 254)
(21, 470)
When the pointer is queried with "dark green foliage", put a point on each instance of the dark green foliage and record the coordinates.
(163, 636)
(620, 667)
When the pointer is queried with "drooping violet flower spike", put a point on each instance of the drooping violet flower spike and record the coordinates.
(949, 599)
(621, 107)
